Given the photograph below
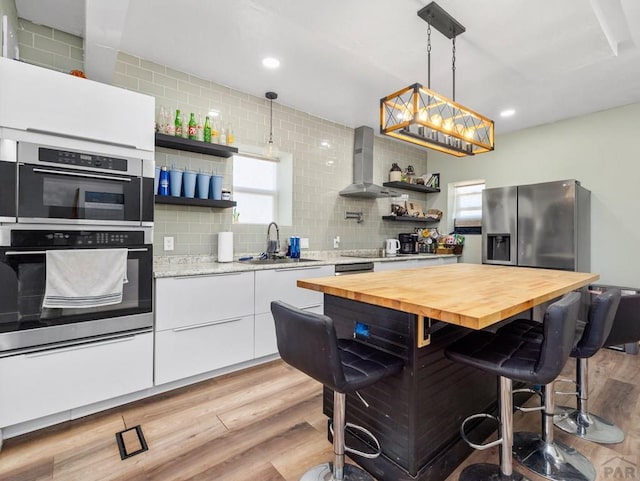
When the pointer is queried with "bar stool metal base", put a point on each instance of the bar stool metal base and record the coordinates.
(555, 460)
(324, 472)
(488, 472)
(587, 426)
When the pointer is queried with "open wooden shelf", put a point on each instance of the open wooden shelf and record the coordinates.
(409, 218)
(218, 204)
(178, 143)
(408, 186)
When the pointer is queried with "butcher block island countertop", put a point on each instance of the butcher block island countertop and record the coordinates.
(469, 295)
(416, 414)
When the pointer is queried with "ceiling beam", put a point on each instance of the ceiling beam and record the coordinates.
(612, 21)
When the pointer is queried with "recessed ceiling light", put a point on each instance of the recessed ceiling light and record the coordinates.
(507, 113)
(271, 62)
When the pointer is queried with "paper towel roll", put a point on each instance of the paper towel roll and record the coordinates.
(225, 246)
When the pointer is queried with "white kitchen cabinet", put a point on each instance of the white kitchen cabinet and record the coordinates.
(265, 331)
(203, 323)
(189, 300)
(394, 265)
(280, 285)
(186, 351)
(48, 382)
(34, 99)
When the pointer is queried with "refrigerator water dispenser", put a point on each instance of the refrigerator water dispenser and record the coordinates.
(498, 247)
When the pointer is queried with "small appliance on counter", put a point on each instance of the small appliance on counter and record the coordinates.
(408, 243)
(392, 247)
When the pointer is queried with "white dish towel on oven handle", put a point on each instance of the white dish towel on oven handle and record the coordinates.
(84, 278)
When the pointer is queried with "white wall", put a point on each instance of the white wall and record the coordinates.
(601, 150)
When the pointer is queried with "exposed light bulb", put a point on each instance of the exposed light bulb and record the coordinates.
(422, 116)
(468, 133)
(436, 120)
(448, 124)
(271, 149)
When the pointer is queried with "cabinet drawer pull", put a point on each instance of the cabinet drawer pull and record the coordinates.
(77, 347)
(284, 269)
(206, 324)
(212, 274)
(312, 307)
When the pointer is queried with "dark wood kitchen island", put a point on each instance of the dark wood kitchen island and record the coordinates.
(415, 314)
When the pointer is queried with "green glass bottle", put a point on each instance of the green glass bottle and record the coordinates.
(193, 133)
(207, 129)
(178, 124)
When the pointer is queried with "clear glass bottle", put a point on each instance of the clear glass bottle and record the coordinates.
(199, 128)
(215, 131)
(223, 135)
(230, 137)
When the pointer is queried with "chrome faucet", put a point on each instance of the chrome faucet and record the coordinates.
(273, 246)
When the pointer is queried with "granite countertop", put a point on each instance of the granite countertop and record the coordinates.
(193, 265)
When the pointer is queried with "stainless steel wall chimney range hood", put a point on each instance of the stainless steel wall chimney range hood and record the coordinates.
(363, 185)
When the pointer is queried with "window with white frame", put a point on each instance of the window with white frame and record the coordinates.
(467, 206)
(262, 189)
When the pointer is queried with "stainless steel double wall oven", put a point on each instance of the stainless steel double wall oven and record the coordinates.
(55, 197)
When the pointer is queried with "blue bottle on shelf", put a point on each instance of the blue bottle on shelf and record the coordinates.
(164, 181)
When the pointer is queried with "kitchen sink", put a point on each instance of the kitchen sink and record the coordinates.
(285, 260)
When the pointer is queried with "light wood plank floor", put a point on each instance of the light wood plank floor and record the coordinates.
(264, 424)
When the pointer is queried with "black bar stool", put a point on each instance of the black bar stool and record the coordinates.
(579, 421)
(626, 325)
(308, 342)
(533, 359)
(540, 452)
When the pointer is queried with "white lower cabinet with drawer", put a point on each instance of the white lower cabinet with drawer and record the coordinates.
(186, 351)
(203, 323)
(48, 382)
(265, 331)
(280, 285)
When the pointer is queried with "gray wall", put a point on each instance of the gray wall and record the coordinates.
(600, 151)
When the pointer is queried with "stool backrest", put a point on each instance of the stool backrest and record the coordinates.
(602, 312)
(559, 336)
(308, 342)
(626, 323)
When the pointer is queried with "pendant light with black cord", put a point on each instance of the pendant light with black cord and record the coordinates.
(271, 149)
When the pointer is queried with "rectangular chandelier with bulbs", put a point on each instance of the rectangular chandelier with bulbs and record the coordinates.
(426, 118)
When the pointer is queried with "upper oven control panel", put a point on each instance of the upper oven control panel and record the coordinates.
(81, 159)
(78, 238)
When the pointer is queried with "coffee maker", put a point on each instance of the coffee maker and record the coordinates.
(408, 243)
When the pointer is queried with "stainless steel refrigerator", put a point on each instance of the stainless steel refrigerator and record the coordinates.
(544, 225)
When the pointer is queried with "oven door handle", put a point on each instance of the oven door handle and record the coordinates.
(22, 253)
(77, 174)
